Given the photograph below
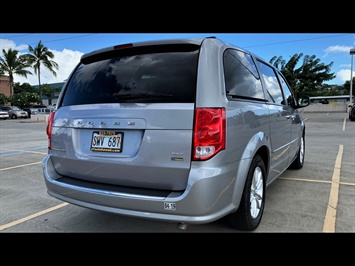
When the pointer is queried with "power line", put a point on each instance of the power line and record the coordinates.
(48, 41)
(250, 46)
(62, 39)
(301, 40)
(14, 36)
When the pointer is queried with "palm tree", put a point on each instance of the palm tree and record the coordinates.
(41, 55)
(11, 64)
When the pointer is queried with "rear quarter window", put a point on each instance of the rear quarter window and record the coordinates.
(241, 76)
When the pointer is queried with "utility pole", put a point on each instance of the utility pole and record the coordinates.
(352, 52)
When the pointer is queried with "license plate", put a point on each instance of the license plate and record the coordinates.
(107, 141)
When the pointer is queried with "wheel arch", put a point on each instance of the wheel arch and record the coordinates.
(258, 144)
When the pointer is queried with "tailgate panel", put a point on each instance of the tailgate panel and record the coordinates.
(156, 148)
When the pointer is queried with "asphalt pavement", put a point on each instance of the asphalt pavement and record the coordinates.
(319, 198)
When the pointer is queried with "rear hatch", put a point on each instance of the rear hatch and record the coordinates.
(125, 117)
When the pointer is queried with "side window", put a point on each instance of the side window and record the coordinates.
(287, 91)
(272, 85)
(241, 76)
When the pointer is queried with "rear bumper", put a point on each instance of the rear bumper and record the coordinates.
(207, 197)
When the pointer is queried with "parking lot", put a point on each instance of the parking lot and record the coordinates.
(318, 198)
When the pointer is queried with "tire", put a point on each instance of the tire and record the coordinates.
(14, 116)
(299, 161)
(251, 208)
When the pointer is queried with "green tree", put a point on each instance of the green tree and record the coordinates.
(47, 90)
(347, 86)
(24, 87)
(40, 55)
(11, 63)
(308, 77)
(3, 99)
(25, 99)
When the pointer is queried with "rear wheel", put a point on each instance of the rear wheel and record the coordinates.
(251, 208)
(299, 161)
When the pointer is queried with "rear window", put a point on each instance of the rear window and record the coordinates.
(166, 76)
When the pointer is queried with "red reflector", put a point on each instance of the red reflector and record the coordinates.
(123, 46)
(49, 129)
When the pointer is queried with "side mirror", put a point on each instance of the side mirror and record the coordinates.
(303, 101)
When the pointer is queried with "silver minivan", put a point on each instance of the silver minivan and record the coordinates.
(186, 131)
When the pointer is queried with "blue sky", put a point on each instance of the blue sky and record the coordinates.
(68, 48)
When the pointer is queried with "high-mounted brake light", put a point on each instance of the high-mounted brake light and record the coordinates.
(209, 132)
(122, 46)
(49, 129)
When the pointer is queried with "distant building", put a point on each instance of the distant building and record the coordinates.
(5, 89)
(54, 97)
(5, 85)
(57, 85)
(330, 99)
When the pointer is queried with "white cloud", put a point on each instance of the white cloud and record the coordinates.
(337, 49)
(7, 44)
(66, 60)
(344, 75)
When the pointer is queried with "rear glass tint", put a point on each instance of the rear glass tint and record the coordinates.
(168, 76)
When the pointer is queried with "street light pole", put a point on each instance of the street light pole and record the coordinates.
(352, 52)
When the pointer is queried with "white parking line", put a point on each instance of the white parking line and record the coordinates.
(18, 166)
(315, 181)
(5, 226)
(344, 124)
(17, 150)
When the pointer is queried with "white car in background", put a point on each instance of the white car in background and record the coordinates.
(4, 115)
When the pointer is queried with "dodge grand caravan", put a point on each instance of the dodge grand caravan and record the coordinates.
(186, 131)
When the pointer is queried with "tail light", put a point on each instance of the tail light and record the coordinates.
(209, 132)
(49, 129)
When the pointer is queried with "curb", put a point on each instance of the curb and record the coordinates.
(36, 119)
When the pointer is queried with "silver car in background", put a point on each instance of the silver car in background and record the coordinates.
(186, 131)
(15, 112)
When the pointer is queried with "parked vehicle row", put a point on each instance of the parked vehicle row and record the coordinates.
(15, 112)
(30, 111)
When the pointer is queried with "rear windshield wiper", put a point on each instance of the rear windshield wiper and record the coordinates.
(140, 95)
